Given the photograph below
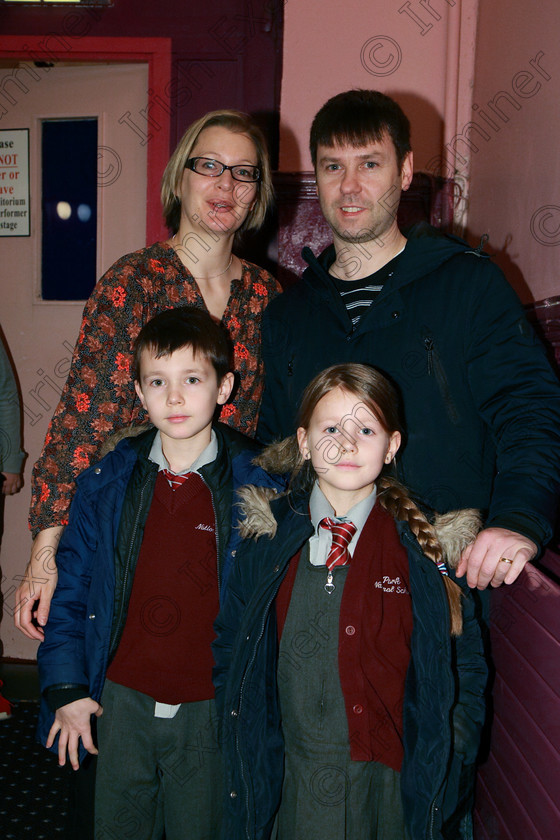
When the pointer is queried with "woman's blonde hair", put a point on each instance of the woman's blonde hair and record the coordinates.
(233, 121)
(375, 393)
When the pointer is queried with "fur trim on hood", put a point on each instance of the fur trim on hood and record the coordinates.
(121, 434)
(454, 530)
(280, 457)
(441, 539)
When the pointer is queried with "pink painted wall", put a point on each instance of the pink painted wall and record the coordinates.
(425, 56)
(41, 334)
(515, 174)
(330, 47)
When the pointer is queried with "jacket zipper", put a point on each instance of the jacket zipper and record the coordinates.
(435, 366)
(128, 560)
(433, 807)
(432, 818)
(429, 345)
(217, 536)
(249, 664)
(477, 252)
(241, 690)
(291, 365)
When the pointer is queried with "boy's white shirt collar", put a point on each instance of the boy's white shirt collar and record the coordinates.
(208, 454)
(319, 507)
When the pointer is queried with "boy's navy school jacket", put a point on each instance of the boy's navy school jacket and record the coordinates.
(97, 556)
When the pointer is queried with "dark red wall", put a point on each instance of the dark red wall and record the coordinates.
(518, 792)
(226, 54)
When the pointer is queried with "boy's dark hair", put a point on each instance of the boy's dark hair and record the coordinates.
(357, 117)
(185, 326)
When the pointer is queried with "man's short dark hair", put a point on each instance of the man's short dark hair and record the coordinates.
(185, 326)
(357, 117)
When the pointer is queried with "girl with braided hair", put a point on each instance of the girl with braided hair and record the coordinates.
(350, 669)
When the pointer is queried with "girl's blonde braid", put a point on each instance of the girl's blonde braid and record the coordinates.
(396, 501)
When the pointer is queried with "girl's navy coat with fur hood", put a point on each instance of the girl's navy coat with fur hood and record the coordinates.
(444, 706)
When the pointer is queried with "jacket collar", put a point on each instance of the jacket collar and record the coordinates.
(219, 470)
(426, 250)
(141, 443)
(140, 440)
(261, 512)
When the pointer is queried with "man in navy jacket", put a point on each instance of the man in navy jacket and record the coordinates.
(481, 402)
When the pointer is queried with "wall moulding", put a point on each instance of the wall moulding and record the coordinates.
(155, 52)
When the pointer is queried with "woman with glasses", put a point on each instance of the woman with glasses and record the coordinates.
(216, 186)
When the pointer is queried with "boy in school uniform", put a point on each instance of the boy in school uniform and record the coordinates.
(150, 541)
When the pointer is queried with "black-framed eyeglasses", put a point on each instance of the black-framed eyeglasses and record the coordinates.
(214, 168)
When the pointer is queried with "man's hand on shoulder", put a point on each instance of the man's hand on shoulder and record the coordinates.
(487, 559)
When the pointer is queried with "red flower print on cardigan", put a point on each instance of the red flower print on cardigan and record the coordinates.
(81, 459)
(123, 362)
(119, 296)
(120, 377)
(107, 325)
(102, 426)
(240, 351)
(227, 411)
(82, 402)
(132, 291)
(89, 376)
(107, 408)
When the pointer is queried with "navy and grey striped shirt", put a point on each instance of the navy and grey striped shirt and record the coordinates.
(358, 295)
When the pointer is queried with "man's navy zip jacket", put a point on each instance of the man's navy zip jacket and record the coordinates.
(481, 402)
